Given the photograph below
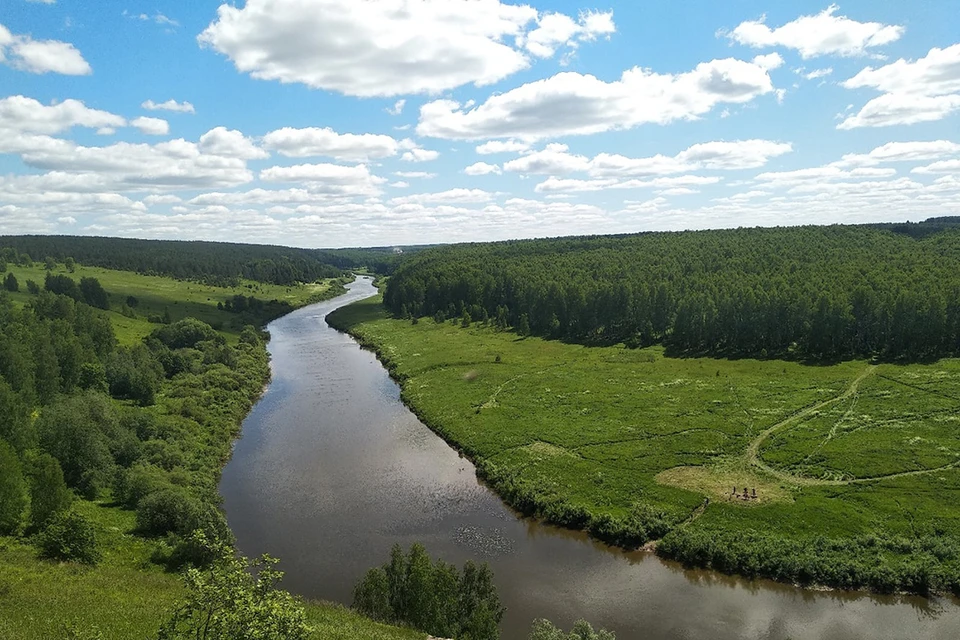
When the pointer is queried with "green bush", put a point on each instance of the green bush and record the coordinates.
(14, 496)
(49, 495)
(170, 510)
(70, 536)
(545, 630)
(186, 333)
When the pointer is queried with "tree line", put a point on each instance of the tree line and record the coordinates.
(820, 293)
(216, 263)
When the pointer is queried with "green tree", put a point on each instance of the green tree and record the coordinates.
(70, 536)
(235, 599)
(15, 425)
(10, 283)
(70, 264)
(50, 263)
(14, 496)
(545, 630)
(93, 293)
(49, 494)
(33, 288)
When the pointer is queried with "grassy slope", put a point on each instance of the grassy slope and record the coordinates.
(593, 428)
(158, 294)
(126, 596)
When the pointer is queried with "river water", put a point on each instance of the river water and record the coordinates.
(332, 469)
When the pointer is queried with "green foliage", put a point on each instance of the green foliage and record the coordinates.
(93, 293)
(49, 495)
(70, 536)
(432, 597)
(133, 373)
(70, 264)
(235, 598)
(818, 293)
(14, 495)
(62, 286)
(10, 283)
(582, 630)
(169, 510)
(33, 288)
(186, 333)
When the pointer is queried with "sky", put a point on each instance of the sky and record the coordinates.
(332, 123)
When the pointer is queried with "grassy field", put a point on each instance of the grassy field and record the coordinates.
(583, 435)
(126, 595)
(158, 295)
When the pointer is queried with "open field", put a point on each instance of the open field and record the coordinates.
(628, 443)
(157, 295)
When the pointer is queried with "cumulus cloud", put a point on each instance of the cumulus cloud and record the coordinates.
(26, 115)
(458, 196)
(482, 169)
(151, 126)
(397, 107)
(330, 179)
(221, 141)
(901, 152)
(169, 105)
(923, 90)
(943, 166)
(502, 146)
(414, 174)
(818, 35)
(41, 56)
(391, 47)
(555, 159)
(312, 141)
(420, 155)
(576, 104)
(558, 185)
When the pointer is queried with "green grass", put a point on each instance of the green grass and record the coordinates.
(578, 434)
(157, 295)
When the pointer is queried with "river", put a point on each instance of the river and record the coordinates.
(332, 469)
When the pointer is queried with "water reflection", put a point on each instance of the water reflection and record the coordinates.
(332, 469)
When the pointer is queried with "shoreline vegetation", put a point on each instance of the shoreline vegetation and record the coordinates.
(543, 422)
(139, 404)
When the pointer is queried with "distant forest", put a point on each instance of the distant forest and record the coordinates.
(216, 263)
(818, 293)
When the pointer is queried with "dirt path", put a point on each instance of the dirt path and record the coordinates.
(752, 456)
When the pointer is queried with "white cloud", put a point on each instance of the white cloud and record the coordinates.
(312, 141)
(151, 126)
(397, 107)
(818, 73)
(228, 143)
(818, 35)
(554, 184)
(43, 1)
(901, 152)
(482, 169)
(459, 196)
(414, 174)
(164, 199)
(169, 105)
(575, 104)
(26, 115)
(41, 56)
(736, 155)
(163, 20)
(399, 184)
(328, 179)
(385, 48)
(556, 29)
(943, 166)
(923, 90)
(420, 155)
(502, 146)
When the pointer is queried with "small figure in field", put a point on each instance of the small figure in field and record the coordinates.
(754, 496)
(746, 496)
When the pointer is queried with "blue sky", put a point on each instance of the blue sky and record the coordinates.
(390, 122)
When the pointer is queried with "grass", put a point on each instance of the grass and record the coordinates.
(158, 295)
(843, 450)
(126, 595)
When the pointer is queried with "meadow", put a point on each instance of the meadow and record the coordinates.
(854, 464)
(129, 592)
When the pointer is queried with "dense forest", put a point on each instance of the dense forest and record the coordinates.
(819, 293)
(217, 263)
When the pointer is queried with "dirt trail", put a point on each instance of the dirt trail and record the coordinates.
(752, 454)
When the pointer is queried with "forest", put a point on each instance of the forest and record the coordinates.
(807, 293)
(217, 263)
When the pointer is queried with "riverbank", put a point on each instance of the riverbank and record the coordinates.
(579, 437)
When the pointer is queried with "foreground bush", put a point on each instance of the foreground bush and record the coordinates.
(70, 536)
(545, 630)
(235, 598)
(435, 598)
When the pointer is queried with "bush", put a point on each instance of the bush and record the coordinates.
(10, 283)
(170, 510)
(33, 288)
(49, 495)
(14, 497)
(545, 630)
(70, 536)
(134, 374)
(186, 333)
(93, 293)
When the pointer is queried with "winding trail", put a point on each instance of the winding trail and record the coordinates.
(752, 456)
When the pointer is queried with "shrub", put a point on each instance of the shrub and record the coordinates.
(70, 536)
(170, 510)
(545, 630)
(186, 333)
(10, 283)
(49, 495)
